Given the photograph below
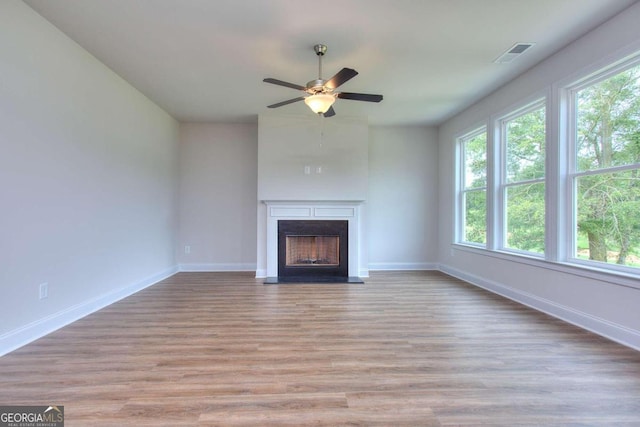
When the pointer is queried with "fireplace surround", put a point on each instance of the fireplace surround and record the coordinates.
(315, 213)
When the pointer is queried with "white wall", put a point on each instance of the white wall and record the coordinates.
(88, 181)
(604, 303)
(218, 201)
(337, 145)
(402, 207)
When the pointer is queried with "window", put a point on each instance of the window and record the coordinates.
(605, 168)
(558, 178)
(473, 184)
(523, 138)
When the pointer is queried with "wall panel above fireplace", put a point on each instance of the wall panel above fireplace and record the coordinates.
(308, 158)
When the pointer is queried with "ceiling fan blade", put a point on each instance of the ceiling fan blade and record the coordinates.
(343, 76)
(330, 112)
(289, 101)
(285, 84)
(360, 96)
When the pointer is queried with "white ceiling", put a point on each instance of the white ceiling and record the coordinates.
(204, 60)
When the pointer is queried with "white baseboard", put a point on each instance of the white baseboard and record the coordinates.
(397, 266)
(19, 337)
(217, 267)
(613, 331)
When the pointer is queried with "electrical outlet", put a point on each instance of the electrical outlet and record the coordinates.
(44, 290)
(187, 249)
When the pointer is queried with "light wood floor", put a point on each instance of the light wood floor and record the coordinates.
(415, 349)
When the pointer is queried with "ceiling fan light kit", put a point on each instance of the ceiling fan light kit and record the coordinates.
(320, 103)
(320, 93)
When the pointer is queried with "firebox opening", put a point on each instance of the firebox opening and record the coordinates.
(303, 251)
(313, 248)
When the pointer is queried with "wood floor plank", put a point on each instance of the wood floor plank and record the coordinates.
(405, 348)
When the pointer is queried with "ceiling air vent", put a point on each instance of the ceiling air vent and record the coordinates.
(513, 52)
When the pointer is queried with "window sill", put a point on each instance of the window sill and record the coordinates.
(619, 278)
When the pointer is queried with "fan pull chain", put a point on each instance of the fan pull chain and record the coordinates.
(321, 130)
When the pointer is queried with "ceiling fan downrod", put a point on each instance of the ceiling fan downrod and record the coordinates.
(320, 50)
(317, 86)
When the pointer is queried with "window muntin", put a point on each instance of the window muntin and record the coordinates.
(523, 182)
(473, 204)
(606, 170)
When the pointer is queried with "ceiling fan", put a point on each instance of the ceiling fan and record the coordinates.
(320, 93)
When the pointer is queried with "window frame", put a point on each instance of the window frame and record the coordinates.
(462, 189)
(572, 173)
(502, 182)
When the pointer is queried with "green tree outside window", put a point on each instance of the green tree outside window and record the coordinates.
(474, 159)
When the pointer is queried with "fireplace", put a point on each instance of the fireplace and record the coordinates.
(310, 249)
(324, 239)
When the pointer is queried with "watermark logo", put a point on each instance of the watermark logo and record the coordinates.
(31, 416)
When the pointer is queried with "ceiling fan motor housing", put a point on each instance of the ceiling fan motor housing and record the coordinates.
(316, 86)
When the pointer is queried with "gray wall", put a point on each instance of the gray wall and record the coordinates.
(88, 168)
(218, 185)
(402, 207)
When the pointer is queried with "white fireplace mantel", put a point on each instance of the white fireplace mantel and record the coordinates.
(350, 211)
